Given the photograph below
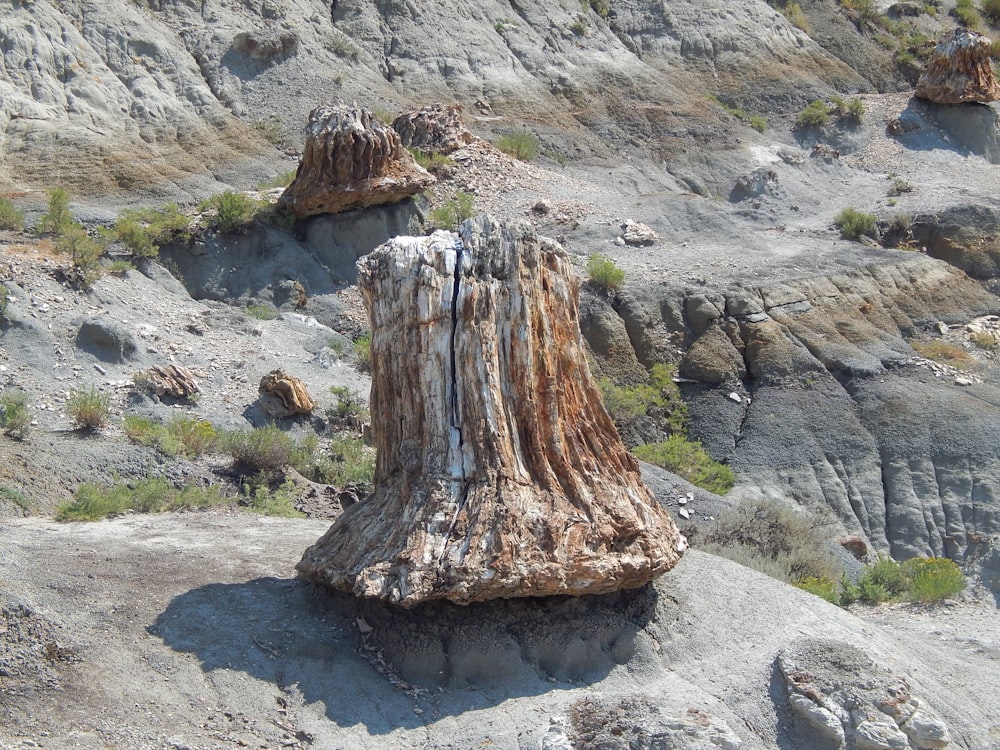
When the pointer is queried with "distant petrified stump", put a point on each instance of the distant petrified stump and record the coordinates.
(960, 70)
(351, 159)
(284, 395)
(499, 472)
(438, 127)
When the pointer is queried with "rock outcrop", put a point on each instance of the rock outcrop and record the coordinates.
(283, 395)
(960, 70)
(847, 700)
(499, 472)
(438, 127)
(351, 160)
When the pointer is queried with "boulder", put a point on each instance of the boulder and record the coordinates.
(637, 234)
(171, 380)
(107, 340)
(499, 472)
(351, 159)
(960, 70)
(282, 395)
(438, 127)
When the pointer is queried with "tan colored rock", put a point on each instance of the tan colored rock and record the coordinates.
(499, 473)
(282, 395)
(351, 159)
(438, 127)
(171, 380)
(960, 70)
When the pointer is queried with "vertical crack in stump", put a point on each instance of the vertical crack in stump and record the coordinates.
(499, 472)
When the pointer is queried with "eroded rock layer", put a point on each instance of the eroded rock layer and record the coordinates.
(499, 472)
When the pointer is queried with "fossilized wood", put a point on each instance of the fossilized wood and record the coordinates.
(351, 159)
(171, 380)
(499, 472)
(284, 395)
(438, 127)
(960, 70)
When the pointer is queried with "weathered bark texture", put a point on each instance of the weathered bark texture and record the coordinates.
(351, 159)
(960, 70)
(284, 395)
(500, 473)
(438, 127)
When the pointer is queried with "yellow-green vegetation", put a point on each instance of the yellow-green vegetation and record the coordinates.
(819, 112)
(688, 459)
(58, 217)
(985, 340)
(15, 417)
(350, 462)
(919, 579)
(350, 403)
(15, 496)
(432, 161)
(88, 407)
(579, 26)
(898, 187)
(230, 211)
(3, 301)
(604, 272)
(363, 350)
(282, 180)
(793, 12)
(338, 43)
(757, 122)
(269, 129)
(271, 501)
(71, 238)
(523, 144)
(659, 398)
(967, 14)
(456, 209)
(181, 436)
(11, 217)
(600, 7)
(775, 539)
(262, 312)
(144, 230)
(92, 502)
(265, 449)
(854, 224)
(991, 9)
(943, 352)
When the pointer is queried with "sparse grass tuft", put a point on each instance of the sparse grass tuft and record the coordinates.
(93, 502)
(181, 436)
(142, 231)
(432, 161)
(967, 14)
(943, 352)
(282, 180)
(351, 462)
(3, 301)
(579, 26)
(814, 115)
(454, 211)
(15, 496)
(985, 340)
(232, 211)
(522, 145)
(272, 501)
(363, 350)
(898, 187)
(688, 459)
(11, 217)
(263, 312)
(604, 272)
(793, 12)
(15, 417)
(264, 450)
(88, 408)
(854, 224)
(660, 399)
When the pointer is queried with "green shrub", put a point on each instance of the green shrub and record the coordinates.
(774, 539)
(16, 496)
(854, 224)
(984, 340)
(92, 502)
(15, 417)
(941, 351)
(181, 436)
(272, 501)
(84, 251)
(898, 187)
(363, 350)
(579, 26)
(351, 462)
(11, 217)
(269, 129)
(282, 180)
(262, 312)
(659, 398)
(522, 145)
(934, 579)
(966, 14)
(88, 408)
(144, 230)
(688, 459)
(822, 586)
(604, 272)
(793, 12)
(58, 218)
(341, 46)
(3, 301)
(350, 403)
(457, 209)
(814, 115)
(600, 7)
(263, 449)
(233, 211)
(991, 9)
(853, 111)
(758, 123)
(432, 161)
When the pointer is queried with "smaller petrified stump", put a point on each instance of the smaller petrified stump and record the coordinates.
(171, 380)
(351, 159)
(438, 127)
(499, 472)
(282, 395)
(960, 70)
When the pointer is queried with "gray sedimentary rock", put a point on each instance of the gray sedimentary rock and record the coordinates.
(351, 160)
(499, 472)
(959, 71)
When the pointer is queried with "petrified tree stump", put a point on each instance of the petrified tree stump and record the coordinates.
(499, 472)
(960, 70)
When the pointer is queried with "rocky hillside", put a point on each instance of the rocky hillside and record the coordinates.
(855, 377)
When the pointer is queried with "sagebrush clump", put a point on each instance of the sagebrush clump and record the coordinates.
(854, 224)
(604, 272)
(88, 408)
(523, 145)
(11, 217)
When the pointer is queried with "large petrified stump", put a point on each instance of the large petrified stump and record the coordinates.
(499, 472)
(960, 70)
(351, 159)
